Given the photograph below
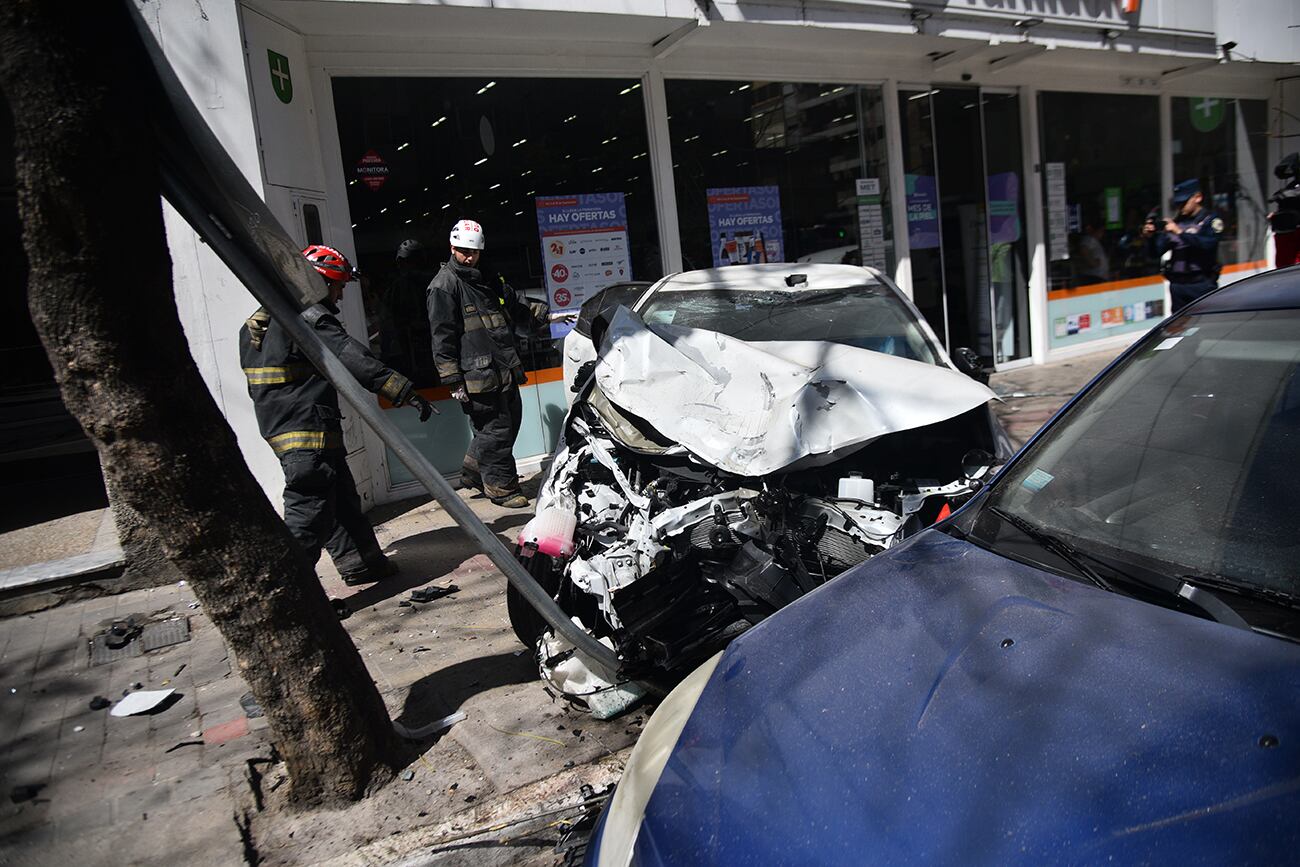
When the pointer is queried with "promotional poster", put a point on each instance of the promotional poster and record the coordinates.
(584, 248)
(745, 225)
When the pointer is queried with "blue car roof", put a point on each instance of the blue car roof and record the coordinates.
(1272, 290)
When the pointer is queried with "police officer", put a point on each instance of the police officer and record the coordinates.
(475, 325)
(1192, 241)
(298, 414)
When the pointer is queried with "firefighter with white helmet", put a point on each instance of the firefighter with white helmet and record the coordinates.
(476, 326)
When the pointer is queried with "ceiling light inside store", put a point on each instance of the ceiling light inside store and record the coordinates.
(438, 121)
(625, 91)
(383, 210)
(517, 213)
(446, 206)
(481, 162)
(352, 183)
(743, 87)
(494, 186)
(485, 88)
(425, 214)
(525, 174)
(401, 201)
(408, 221)
(404, 145)
(720, 153)
(530, 192)
(450, 176)
(354, 225)
(689, 138)
(598, 169)
(638, 156)
(570, 117)
(503, 202)
(518, 143)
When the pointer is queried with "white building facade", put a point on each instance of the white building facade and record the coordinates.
(996, 157)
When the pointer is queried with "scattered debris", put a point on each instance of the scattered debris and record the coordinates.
(141, 702)
(99, 703)
(177, 746)
(193, 605)
(403, 603)
(421, 649)
(78, 728)
(432, 592)
(252, 709)
(431, 729)
(177, 672)
(527, 735)
(408, 775)
(26, 792)
(341, 608)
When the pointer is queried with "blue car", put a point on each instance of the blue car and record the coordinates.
(1094, 660)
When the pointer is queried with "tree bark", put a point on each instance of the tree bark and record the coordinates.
(100, 294)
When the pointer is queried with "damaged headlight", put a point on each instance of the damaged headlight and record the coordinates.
(646, 765)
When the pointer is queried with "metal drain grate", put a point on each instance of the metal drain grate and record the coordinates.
(154, 636)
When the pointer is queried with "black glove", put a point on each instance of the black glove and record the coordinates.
(426, 409)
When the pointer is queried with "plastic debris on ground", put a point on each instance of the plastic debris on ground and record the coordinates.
(431, 729)
(432, 592)
(141, 702)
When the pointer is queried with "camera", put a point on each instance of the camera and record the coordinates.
(1286, 215)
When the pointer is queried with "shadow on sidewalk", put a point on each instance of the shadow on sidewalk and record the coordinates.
(444, 691)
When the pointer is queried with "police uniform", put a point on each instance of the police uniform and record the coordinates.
(298, 415)
(1193, 266)
(474, 324)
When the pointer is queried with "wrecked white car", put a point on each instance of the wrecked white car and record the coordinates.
(746, 435)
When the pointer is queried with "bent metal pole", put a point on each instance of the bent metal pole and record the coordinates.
(206, 187)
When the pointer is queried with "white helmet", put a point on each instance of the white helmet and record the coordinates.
(467, 234)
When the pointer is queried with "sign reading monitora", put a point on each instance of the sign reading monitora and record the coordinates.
(584, 248)
(745, 225)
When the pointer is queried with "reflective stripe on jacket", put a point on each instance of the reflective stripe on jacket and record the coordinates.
(475, 329)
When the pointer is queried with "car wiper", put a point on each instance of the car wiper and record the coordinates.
(1254, 591)
(1062, 549)
(1181, 587)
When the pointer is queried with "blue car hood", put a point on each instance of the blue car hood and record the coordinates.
(944, 704)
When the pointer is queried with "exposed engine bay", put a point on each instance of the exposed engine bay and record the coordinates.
(666, 556)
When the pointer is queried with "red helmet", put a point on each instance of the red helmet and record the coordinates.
(330, 263)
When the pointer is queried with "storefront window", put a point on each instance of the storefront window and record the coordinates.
(421, 153)
(1101, 178)
(1223, 144)
(777, 172)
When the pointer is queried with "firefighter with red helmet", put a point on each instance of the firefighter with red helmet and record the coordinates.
(298, 414)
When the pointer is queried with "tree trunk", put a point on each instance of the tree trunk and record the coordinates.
(100, 294)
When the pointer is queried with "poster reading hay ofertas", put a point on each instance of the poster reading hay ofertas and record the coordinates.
(745, 225)
(584, 248)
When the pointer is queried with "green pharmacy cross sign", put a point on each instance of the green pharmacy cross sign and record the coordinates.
(281, 82)
(1206, 113)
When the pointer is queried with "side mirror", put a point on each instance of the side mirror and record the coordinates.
(969, 363)
(976, 464)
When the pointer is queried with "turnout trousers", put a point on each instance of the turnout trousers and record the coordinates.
(490, 459)
(322, 510)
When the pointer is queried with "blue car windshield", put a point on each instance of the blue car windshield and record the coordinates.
(1186, 459)
(868, 317)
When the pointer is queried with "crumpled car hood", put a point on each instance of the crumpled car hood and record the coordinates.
(942, 704)
(758, 408)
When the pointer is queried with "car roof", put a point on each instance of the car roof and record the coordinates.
(769, 278)
(1272, 290)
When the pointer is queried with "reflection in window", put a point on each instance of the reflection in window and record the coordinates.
(1108, 148)
(421, 153)
(1223, 143)
(770, 171)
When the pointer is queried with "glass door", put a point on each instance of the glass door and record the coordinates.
(962, 165)
(1008, 254)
